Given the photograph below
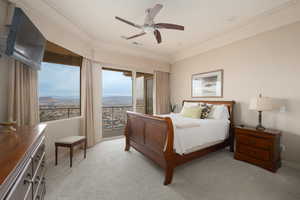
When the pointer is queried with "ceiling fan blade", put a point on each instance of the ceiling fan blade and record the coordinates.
(128, 22)
(151, 13)
(169, 26)
(134, 36)
(155, 10)
(157, 36)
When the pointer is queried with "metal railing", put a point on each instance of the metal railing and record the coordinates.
(114, 117)
(56, 113)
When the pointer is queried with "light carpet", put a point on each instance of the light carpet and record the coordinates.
(109, 173)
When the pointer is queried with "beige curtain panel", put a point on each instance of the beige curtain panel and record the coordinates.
(162, 92)
(23, 104)
(91, 101)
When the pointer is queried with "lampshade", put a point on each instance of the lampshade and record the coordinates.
(261, 103)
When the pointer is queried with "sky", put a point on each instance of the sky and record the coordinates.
(116, 84)
(64, 81)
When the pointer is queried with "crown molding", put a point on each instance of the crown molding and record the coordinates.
(285, 14)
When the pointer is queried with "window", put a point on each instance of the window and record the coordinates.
(59, 91)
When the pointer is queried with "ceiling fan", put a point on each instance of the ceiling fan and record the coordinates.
(149, 25)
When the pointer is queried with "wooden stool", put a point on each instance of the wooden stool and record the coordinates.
(70, 142)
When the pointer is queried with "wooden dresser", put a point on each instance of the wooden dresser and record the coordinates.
(22, 164)
(261, 148)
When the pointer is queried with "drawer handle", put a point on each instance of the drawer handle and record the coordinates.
(27, 180)
(37, 158)
(43, 164)
(37, 180)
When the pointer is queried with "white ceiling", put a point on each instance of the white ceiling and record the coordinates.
(203, 20)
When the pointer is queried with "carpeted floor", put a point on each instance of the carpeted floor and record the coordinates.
(109, 173)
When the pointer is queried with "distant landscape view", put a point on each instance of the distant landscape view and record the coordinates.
(59, 94)
(117, 101)
(59, 91)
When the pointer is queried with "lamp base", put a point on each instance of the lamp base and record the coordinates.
(260, 128)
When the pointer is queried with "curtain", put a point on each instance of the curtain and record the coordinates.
(162, 93)
(91, 102)
(23, 104)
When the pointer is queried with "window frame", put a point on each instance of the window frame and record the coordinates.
(72, 60)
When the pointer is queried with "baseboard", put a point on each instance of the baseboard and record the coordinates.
(290, 164)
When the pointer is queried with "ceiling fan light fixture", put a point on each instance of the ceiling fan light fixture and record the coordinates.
(148, 29)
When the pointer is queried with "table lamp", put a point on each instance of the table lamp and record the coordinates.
(260, 104)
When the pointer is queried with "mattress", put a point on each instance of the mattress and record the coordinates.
(194, 134)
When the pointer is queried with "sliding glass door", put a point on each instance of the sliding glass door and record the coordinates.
(117, 98)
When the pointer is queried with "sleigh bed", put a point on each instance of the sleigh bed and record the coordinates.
(153, 136)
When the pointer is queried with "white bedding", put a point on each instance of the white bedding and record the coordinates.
(195, 134)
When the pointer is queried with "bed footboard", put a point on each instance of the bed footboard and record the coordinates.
(154, 137)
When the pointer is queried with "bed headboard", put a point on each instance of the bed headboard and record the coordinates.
(229, 104)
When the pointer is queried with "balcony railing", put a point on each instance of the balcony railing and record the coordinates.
(113, 117)
(56, 113)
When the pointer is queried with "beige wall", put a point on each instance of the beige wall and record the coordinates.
(129, 62)
(268, 63)
(58, 129)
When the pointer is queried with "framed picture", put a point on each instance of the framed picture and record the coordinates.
(208, 84)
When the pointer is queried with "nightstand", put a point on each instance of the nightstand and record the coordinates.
(261, 148)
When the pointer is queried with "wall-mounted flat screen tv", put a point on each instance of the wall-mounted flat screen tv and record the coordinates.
(25, 42)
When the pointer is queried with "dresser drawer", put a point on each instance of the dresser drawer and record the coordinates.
(23, 186)
(254, 141)
(39, 174)
(28, 195)
(41, 191)
(37, 156)
(253, 152)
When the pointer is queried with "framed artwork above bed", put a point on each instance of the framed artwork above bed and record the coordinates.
(208, 84)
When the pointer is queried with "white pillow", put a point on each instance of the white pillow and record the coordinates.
(190, 104)
(219, 112)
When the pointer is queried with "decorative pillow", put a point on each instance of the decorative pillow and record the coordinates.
(212, 111)
(205, 111)
(219, 112)
(191, 112)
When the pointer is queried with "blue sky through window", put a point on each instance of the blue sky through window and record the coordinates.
(116, 84)
(57, 80)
